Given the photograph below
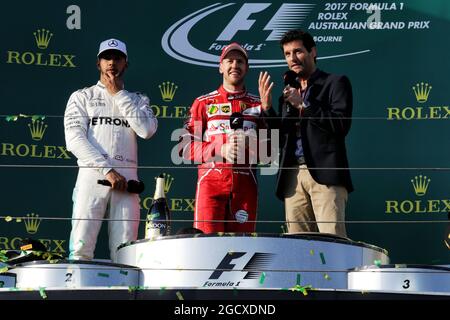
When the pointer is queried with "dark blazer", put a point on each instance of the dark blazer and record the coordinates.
(323, 126)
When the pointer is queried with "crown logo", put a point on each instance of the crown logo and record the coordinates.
(37, 129)
(42, 37)
(422, 91)
(32, 223)
(420, 184)
(167, 90)
(168, 180)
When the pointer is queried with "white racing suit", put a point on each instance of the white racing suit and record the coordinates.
(100, 130)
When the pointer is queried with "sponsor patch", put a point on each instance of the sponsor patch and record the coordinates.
(218, 109)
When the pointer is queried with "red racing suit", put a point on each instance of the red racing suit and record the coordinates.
(225, 191)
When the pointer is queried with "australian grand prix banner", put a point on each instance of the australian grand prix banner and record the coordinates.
(393, 52)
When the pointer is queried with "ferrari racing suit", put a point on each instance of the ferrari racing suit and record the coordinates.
(226, 194)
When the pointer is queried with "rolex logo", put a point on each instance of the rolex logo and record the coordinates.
(167, 90)
(37, 129)
(422, 91)
(420, 184)
(42, 37)
(168, 180)
(32, 223)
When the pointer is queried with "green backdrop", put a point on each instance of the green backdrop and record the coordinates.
(397, 145)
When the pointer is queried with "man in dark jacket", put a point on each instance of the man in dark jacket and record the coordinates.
(314, 118)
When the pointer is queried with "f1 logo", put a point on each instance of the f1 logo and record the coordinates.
(258, 261)
(225, 264)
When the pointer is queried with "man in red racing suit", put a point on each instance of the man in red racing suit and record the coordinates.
(226, 195)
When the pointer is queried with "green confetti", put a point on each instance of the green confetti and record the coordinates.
(162, 290)
(42, 293)
(311, 252)
(377, 262)
(322, 257)
(11, 118)
(8, 219)
(132, 288)
(124, 272)
(326, 276)
(179, 295)
(104, 275)
(262, 278)
(37, 117)
(302, 289)
(298, 278)
(283, 229)
(4, 269)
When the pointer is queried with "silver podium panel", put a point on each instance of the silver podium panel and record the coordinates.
(7, 280)
(218, 261)
(74, 274)
(404, 278)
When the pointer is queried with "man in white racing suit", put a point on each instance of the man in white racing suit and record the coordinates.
(101, 123)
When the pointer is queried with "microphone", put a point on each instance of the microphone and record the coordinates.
(133, 186)
(291, 78)
(236, 121)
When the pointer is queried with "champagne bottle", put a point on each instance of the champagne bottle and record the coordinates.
(158, 216)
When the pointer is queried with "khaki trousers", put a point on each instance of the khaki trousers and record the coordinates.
(321, 204)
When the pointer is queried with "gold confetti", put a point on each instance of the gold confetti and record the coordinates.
(179, 295)
(26, 247)
(8, 219)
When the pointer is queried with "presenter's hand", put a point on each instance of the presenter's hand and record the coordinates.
(293, 96)
(265, 90)
(113, 82)
(118, 182)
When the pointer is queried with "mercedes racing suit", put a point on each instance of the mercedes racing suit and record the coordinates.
(223, 193)
(100, 130)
